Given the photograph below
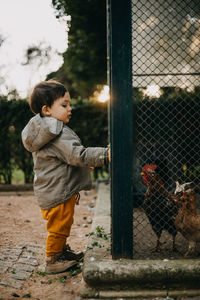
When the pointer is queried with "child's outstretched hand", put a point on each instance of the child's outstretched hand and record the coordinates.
(109, 157)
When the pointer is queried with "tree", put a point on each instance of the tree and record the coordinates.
(85, 59)
(2, 80)
(22, 159)
(5, 142)
(37, 54)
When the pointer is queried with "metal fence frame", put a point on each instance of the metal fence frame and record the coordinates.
(121, 126)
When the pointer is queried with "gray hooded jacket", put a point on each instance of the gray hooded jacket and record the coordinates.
(61, 162)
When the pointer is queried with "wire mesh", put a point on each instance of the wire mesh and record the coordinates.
(166, 93)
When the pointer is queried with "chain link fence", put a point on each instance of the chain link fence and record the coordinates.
(166, 93)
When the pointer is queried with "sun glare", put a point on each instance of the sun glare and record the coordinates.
(153, 90)
(104, 95)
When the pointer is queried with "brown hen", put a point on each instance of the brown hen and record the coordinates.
(187, 221)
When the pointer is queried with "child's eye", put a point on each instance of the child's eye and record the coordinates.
(64, 105)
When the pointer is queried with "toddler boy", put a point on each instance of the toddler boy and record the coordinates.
(61, 168)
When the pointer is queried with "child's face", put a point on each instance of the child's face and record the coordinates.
(61, 109)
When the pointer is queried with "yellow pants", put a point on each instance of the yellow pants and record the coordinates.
(59, 222)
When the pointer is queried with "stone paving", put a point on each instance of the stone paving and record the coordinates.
(18, 263)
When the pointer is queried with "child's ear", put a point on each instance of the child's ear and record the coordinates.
(46, 111)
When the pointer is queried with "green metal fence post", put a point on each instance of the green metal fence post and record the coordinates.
(121, 128)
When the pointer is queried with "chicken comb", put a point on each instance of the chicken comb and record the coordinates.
(149, 167)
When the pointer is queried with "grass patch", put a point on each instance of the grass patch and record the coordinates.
(39, 273)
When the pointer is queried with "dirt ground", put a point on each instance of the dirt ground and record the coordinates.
(21, 223)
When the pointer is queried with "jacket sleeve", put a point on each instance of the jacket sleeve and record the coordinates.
(69, 149)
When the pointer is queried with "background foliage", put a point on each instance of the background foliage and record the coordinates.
(14, 115)
(85, 63)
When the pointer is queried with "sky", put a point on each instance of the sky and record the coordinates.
(26, 23)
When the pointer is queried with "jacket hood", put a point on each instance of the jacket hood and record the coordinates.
(39, 131)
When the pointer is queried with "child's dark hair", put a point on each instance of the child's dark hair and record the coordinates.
(45, 93)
